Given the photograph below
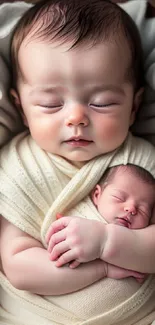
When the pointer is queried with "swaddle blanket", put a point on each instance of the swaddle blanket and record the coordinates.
(34, 186)
(61, 187)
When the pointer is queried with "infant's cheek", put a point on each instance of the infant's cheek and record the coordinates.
(112, 134)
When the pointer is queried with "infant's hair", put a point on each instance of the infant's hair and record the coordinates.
(78, 22)
(138, 171)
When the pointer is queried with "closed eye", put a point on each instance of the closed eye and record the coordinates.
(118, 198)
(50, 106)
(103, 105)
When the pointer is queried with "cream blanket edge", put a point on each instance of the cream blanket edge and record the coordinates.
(30, 181)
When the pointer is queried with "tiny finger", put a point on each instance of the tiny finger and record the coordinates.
(55, 227)
(58, 250)
(137, 274)
(55, 239)
(65, 258)
(74, 264)
(58, 216)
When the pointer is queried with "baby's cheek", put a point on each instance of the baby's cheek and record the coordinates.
(111, 135)
(112, 129)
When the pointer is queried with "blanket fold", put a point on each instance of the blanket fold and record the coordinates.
(34, 186)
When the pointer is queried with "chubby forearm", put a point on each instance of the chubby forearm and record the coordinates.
(27, 265)
(32, 270)
(87, 240)
(129, 249)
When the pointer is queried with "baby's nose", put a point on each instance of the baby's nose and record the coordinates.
(131, 209)
(77, 116)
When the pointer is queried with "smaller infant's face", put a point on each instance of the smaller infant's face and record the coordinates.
(127, 200)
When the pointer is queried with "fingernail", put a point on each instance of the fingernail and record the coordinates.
(58, 216)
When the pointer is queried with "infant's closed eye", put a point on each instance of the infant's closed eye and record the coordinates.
(50, 105)
(118, 198)
(49, 108)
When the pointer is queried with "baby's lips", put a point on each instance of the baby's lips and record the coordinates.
(58, 216)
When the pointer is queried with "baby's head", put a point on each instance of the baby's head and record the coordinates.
(126, 196)
(77, 76)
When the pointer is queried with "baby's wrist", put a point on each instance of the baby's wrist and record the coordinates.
(101, 269)
(103, 240)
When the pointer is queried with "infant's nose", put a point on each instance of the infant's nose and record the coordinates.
(77, 116)
(130, 209)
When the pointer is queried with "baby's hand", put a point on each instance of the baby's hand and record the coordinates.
(115, 272)
(76, 240)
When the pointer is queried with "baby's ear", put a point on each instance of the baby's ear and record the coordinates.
(16, 101)
(15, 98)
(136, 103)
(96, 194)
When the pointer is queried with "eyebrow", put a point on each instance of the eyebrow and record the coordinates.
(120, 191)
(44, 89)
(109, 87)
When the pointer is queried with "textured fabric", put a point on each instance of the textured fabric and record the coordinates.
(10, 120)
(106, 302)
(145, 121)
(34, 186)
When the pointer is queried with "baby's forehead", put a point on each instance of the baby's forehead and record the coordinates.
(80, 22)
(128, 185)
(36, 56)
(70, 42)
(53, 26)
(129, 173)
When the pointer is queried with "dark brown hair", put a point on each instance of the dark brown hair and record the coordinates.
(79, 21)
(138, 171)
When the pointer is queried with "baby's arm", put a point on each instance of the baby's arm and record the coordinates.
(83, 240)
(118, 273)
(131, 249)
(26, 264)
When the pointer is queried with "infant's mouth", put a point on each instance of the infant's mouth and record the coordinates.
(79, 138)
(124, 221)
(78, 142)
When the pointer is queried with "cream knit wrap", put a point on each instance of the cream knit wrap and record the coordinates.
(34, 186)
